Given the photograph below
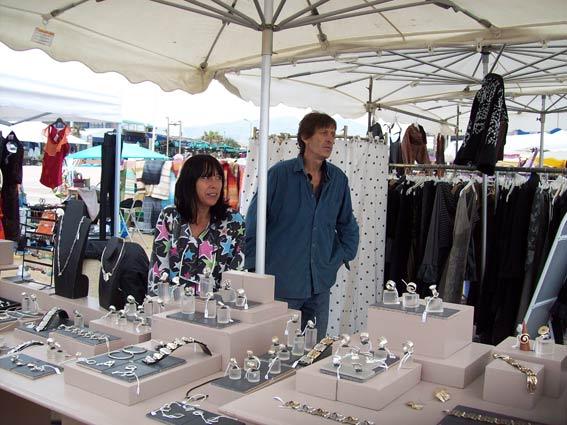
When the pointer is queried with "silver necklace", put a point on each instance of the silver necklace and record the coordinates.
(77, 237)
(107, 275)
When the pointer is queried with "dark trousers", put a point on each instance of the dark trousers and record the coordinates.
(316, 306)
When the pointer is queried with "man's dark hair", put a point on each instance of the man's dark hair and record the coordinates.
(185, 188)
(310, 124)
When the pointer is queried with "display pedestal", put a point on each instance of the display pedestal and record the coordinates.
(256, 314)
(128, 333)
(230, 341)
(440, 336)
(197, 366)
(504, 384)
(310, 380)
(258, 287)
(6, 253)
(381, 390)
(553, 363)
(24, 335)
(457, 370)
(73, 345)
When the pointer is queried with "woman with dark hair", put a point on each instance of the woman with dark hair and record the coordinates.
(200, 232)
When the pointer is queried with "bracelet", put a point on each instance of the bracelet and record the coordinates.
(531, 377)
(164, 350)
(486, 418)
(23, 346)
(327, 414)
(314, 354)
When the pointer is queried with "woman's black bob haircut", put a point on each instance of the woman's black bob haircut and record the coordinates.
(185, 188)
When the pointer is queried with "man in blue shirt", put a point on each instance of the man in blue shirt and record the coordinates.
(310, 230)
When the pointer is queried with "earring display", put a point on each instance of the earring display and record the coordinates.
(390, 294)
(410, 299)
(28, 366)
(322, 413)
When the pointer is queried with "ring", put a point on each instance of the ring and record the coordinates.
(129, 350)
(112, 355)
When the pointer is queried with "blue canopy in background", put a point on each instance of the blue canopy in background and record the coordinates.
(129, 151)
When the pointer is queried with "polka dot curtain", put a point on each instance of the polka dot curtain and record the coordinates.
(366, 166)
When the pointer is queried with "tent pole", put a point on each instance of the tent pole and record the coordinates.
(369, 103)
(457, 131)
(485, 56)
(541, 130)
(116, 206)
(267, 43)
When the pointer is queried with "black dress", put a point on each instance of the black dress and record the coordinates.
(11, 165)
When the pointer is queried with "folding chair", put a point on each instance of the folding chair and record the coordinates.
(131, 214)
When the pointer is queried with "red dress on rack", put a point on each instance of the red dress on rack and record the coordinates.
(54, 154)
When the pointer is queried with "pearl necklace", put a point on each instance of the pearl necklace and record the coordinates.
(107, 275)
(77, 237)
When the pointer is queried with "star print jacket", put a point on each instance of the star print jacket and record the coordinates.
(178, 252)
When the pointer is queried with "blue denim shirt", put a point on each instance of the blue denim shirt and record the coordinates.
(306, 241)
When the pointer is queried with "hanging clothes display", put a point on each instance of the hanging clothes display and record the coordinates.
(414, 145)
(54, 153)
(440, 149)
(11, 165)
(232, 183)
(484, 141)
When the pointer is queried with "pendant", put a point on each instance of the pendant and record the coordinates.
(106, 276)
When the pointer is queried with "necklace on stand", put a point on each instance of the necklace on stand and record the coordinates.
(107, 275)
(77, 237)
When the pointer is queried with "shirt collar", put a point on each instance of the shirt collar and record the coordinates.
(299, 167)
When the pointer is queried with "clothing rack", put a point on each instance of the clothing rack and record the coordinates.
(472, 169)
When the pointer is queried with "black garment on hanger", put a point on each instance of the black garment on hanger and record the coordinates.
(376, 130)
(152, 171)
(71, 234)
(126, 265)
(11, 165)
(486, 132)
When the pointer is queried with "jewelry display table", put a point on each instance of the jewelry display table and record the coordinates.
(553, 363)
(260, 407)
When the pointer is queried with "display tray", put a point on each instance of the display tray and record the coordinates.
(84, 340)
(347, 371)
(199, 319)
(44, 333)
(498, 418)
(251, 304)
(6, 304)
(142, 370)
(193, 417)
(243, 386)
(7, 364)
(447, 312)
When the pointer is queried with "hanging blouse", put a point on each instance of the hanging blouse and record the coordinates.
(179, 253)
(56, 149)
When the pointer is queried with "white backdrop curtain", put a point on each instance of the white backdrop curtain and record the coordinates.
(366, 165)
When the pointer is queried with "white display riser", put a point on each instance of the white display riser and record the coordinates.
(504, 384)
(258, 287)
(437, 337)
(127, 333)
(457, 370)
(198, 365)
(231, 341)
(554, 363)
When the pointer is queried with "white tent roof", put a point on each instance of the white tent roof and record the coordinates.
(168, 43)
(23, 95)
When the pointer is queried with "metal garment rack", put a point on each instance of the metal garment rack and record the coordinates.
(472, 169)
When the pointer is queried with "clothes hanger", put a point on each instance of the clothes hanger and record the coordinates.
(59, 123)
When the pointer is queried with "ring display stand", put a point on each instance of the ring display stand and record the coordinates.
(243, 386)
(258, 287)
(256, 312)
(347, 370)
(199, 318)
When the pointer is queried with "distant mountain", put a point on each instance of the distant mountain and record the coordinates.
(240, 130)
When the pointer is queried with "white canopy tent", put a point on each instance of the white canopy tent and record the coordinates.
(185, 44)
